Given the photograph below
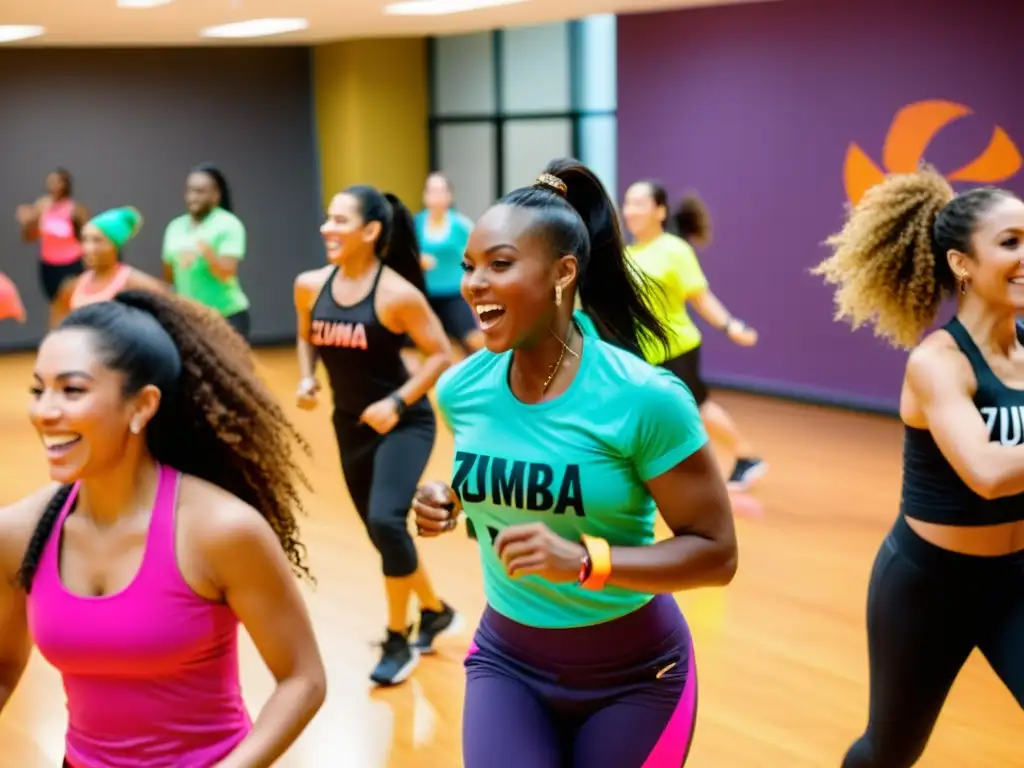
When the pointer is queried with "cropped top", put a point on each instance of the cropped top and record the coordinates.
(932, 490)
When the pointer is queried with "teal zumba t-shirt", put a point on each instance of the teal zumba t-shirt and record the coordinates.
(448, 248)
(577, 463)
(225, 233)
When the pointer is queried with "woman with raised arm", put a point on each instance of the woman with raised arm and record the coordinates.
(354, 315)
(567, 447)
(669, 259)
(171, 521)
(950, 575)
(55, 221)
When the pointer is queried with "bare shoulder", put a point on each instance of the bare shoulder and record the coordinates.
(17, 523)
(936, 360)
(140, 280)
(936, 370)
(215, 518)
(313, 279)
(308, 285)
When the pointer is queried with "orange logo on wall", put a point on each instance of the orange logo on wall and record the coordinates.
(911, 132)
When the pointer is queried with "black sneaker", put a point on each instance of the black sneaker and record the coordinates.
(436, 623)
(397, 661)
(746, 473)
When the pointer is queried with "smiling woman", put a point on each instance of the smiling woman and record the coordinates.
(354, 315)
(949, 577)
(568, 444)
(173, 520)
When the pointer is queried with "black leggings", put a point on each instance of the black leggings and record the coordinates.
(382, 472)
(928, 608)
(241, 322)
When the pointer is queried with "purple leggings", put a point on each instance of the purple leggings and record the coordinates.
(622, 694)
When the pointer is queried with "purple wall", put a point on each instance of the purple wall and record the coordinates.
(755, 106)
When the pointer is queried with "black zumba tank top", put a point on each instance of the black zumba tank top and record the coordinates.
(362, 357)
(932, 490)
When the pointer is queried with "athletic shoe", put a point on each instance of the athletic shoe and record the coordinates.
(433, 624)
(397, 660)
(746, 473)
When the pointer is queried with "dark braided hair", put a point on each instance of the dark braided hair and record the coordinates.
(216, 420)
(220, 181)
(584, 222)
(890, 260)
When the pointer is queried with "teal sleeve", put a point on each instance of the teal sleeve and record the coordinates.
(444, 396)
(232, 239)
(668, 426)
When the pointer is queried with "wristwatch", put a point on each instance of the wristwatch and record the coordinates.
(596, 563)
(400, 405)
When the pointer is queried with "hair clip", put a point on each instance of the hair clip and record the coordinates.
(553, 182)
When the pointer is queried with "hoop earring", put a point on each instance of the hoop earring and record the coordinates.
(963, 285)
(558, 295)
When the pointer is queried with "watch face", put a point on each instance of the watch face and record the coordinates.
(585, 568)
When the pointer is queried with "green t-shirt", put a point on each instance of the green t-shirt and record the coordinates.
(578, 463)
(225, 234)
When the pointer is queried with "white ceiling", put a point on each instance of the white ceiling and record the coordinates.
(101, 22)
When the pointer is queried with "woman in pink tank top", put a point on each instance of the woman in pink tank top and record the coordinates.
(172, 522)
(55, 221)
(106, 274)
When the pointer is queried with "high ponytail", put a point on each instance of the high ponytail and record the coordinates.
(397, 245)
(692, 220)
(402, 253)
(582, 220)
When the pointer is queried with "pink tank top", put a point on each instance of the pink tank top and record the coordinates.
(150, 673)
(86, 293)
(57, 242)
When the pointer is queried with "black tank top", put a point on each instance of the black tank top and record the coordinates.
(932, 490)
(362, 357)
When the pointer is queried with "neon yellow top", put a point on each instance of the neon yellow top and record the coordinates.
(673, 265)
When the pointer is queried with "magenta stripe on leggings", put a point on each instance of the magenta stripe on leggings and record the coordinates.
(674, 744)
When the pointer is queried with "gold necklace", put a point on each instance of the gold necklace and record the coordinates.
(558, 363)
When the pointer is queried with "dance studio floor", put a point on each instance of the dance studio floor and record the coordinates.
(781, 652)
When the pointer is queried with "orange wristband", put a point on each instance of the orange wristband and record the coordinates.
(599, 553)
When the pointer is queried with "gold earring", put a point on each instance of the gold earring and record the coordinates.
(558, 295)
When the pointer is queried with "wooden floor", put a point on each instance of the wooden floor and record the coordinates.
(781, 652)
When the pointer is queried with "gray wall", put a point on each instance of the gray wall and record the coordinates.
(128, 124)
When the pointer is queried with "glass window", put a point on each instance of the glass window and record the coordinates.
(535, 70)
(599, 149)
(466, 154)
(463, 75)
(532, 144)
(596, 58)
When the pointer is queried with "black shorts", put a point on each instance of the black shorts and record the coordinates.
(687, 368)
(53, 276)
(455, 315)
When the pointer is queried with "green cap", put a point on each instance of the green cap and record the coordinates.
(119, 224)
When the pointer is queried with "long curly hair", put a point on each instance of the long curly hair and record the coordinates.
(217, 420)
(889, 261)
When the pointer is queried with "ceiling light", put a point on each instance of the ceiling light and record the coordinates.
(442, 7)
(256, 28)
(10, 33)
(142, 3)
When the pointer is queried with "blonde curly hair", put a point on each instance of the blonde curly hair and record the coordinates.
(890, 260)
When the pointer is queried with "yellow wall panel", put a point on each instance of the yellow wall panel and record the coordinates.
(371, 115)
